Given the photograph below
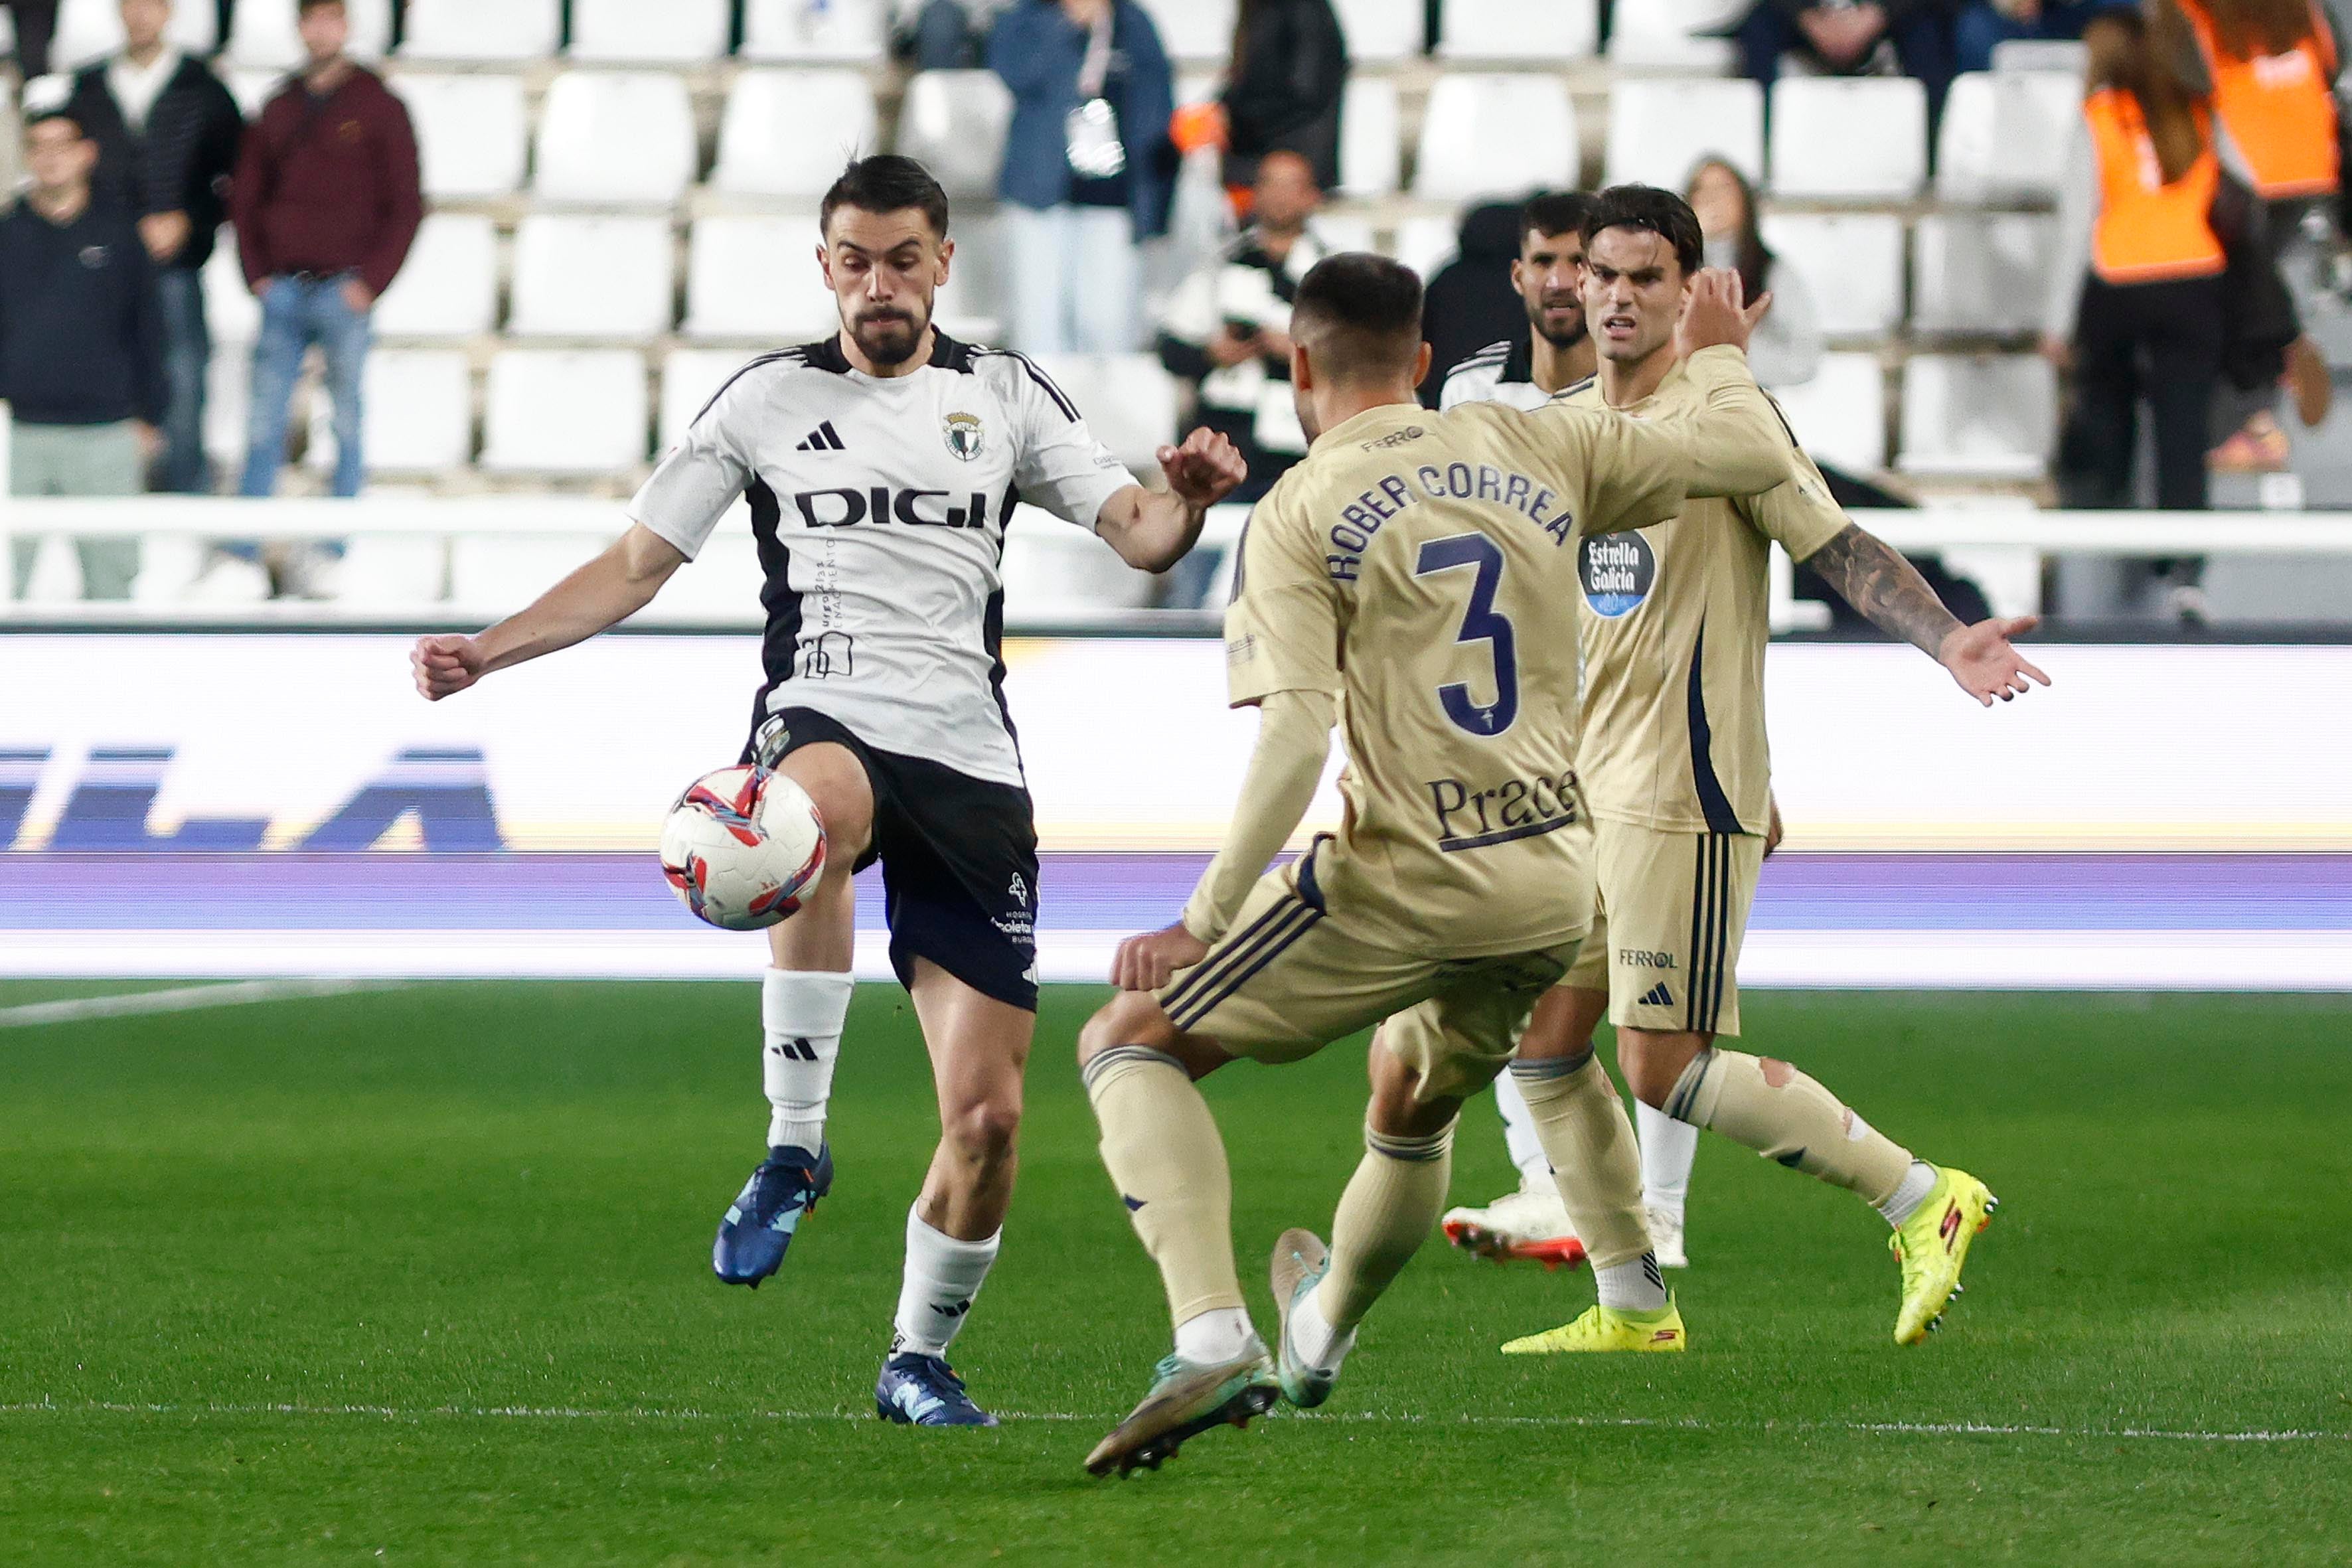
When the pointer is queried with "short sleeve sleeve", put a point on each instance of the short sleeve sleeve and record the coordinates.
(1059, 466)
(697, 481)
(1800, 514)
(1284, 626)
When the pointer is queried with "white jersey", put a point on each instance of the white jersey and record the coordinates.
(880, 508)
(1500, 372)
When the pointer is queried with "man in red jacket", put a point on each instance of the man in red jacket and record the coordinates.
(326, 202)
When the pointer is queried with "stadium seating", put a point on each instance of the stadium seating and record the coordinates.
(472, 132)
(1194, 29)
(565, 412)
(1425, 242)
(1521, 30)
(1849, 138)
(1852, 264)
(228, 392)
(392, 572)
(605, 277)
(514, 30)
(1345, 231)
(689, 379)
(766, 145)
(2005, 135)
(448, 288)
(1680, 36)
(1371, 156)
(493, 574)
(1128, 401)
(1990, 416)
(795, 30)
(231, 312)
(954, 122)
(261, 32)
(1051, 568)
(252, 89)
(976, 299)
(722, 581)
(756, 279)
(1980, 272)
(1381, 30)
(1495, 136)
(1840, 413)
(87, 30)
(615, 139)
(633, 32)
(420, 413)
(1658, 131)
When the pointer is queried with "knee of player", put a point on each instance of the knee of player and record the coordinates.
(985, 1128)
(1129, 1018)
(1653, 1063)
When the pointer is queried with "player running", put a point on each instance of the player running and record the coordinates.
(881, 466)
(1425, 566)
(1676, 766)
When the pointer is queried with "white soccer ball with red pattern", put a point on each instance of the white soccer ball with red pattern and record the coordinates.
(740, 846)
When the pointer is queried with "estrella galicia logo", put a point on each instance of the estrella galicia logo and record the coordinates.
(1617, 569)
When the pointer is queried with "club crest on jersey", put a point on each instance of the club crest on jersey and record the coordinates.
(965, 435)
(1617, 569)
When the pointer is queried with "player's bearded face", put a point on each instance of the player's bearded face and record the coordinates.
(1548, 276)
(884, 269)
(1633, 290)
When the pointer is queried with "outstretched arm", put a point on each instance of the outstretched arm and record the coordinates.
(608, 590)
(1893, 596)
(1153, 530)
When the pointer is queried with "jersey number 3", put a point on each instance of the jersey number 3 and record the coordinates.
(1480, 623)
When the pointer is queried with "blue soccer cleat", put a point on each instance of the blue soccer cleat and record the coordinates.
(924, 1391)
(760, 1224)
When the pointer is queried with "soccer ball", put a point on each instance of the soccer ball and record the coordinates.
(740, 846)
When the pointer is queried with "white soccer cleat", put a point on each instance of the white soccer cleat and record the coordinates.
(1666, 1238)
(1532, 1223)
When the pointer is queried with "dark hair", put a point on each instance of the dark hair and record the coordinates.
(304, 7)
(1554, 211)
(1754, 259)
(1657, 212)
(1359, 313)
(2133, 54)
(885, 182)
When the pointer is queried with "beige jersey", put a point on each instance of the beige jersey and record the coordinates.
(1423, 567)
(1675, 623)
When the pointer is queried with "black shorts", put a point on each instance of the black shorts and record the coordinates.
(958, 859)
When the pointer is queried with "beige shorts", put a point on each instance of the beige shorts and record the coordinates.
(1290, 977)
(1665, 941)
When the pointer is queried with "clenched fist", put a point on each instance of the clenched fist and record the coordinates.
(446, 665)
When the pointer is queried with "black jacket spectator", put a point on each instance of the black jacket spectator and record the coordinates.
(182, 164)
(81, 331)
(1289, 74)
(1470, 302)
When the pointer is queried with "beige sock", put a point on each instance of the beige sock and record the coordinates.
(1590, 1142)
(1391, 1204)
(1783, 1115)
(1162, 1149)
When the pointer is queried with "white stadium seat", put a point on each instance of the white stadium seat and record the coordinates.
(1980, 272)
(1194, 29)
(1520, 30)
(592, 278)
(977, 299)
(253, 89)
(90, 29)
(419, 405)
(1128, 401)
(953, 123)
(1659, 129)
(722, 583)
(1840, 416)
(496, 573)
(690, 378)
(1382, 29)
(1849, 138)
(472, 131)
(788, 133)
(261, 32)
(1372, 150)
(1427, 243)
(1496, 136)
(558, 411)
(1347, 231)
(396, 572)
(1051, 568)
(231, 312)
(615, 138)
(1852, 264)
(1979, 415)
(229, 390)
(481, 30)
(756, 279)
(684, 32)
(1676, 35)
(449, 287)
(809, 30)
(2005, 135)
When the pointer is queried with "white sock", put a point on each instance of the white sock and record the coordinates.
(1635, 1287)
(1311, 1338)
(936, 1294)
(1668, 1147)
(800, 1014)
(1519, 1135)
(1220, 1333)
(1909, 1193)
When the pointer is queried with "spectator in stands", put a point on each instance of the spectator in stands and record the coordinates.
(946, 34)
(1470, 302)
(1090, 172)
(1225, 328)
(81, 338)
(36, 22)
(1786, 347)
(1982, 24)
(167, 132)
(1853, 38)
(326, 204)
(1284, 88)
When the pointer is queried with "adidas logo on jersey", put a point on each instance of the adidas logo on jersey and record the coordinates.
(1658, 997)
(824, 438)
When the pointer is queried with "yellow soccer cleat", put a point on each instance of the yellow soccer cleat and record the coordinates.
(1933, 1244)
(1608, 1329)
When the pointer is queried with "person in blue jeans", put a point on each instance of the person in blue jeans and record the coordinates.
(297, 309)
(1981, 24)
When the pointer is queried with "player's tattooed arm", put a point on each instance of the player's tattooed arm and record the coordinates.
(1893, 596)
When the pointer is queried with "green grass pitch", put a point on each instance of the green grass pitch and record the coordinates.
(422, 1276)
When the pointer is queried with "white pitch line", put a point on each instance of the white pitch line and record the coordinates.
(1637, 1423)
(178, 999)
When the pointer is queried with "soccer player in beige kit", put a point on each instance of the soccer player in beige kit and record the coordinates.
(1423, 566)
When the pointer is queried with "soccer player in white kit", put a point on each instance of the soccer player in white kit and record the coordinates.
(881, 466)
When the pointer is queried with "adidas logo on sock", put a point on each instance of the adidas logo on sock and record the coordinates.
(824, 438)
(1659, 996)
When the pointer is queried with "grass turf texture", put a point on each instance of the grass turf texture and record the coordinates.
(422, 1276)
